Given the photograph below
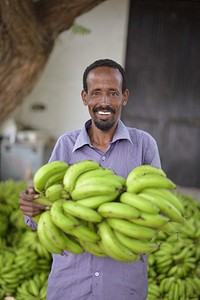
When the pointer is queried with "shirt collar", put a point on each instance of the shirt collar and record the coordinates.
(121, 133)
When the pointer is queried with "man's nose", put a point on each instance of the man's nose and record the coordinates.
(105, 99)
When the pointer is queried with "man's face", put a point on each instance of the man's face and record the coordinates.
(104, 97)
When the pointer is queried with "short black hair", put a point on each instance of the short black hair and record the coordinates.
(104, 63)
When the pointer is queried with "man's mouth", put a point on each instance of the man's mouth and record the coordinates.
(104, 113)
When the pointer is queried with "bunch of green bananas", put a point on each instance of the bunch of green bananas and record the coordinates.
(22, 256)
(106, 214)
(174, 269)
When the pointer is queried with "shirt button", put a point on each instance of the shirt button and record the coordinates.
(96, 274)
(103, 158)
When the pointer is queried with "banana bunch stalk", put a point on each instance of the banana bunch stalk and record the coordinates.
(174, 269)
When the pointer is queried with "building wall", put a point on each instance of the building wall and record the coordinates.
(60, 85)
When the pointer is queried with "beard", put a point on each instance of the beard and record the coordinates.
(104, 125)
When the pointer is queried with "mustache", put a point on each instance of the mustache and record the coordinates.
(101, 108)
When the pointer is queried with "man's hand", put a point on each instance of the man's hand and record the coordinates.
(27, 204)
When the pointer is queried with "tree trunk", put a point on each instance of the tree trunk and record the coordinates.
(28, 30)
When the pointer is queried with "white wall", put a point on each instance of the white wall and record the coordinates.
(60, 85)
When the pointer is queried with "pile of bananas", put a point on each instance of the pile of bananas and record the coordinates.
(24, 262)
(174, 269)
(103, 213)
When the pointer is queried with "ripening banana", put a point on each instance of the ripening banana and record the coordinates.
(45, 172)
(54, 192)
(99, 172)
(139, 203)
(75, 170)
(112, 246)
(150, 181)
(56, 178)
(135, 245)
(170, 196)
(65, 223)
(95, 201)
(92, 190)
(133, 230)
(154, 221)
(143, 170)
(81, 212)
(164, 205)
(118, 210)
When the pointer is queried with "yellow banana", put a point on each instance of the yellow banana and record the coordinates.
(133, 230)
(154, 221)
(150, 181)
(45, 172)
(95, 201)
(139, 202)
(118, 210)
(75, 170)
(165, 206)
(112, 246)
(81, 212)
(136, 246)
(87, 191)
(143, 170)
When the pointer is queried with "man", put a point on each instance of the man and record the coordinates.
(105, 139)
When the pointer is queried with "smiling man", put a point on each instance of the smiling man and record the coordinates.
(105, 139)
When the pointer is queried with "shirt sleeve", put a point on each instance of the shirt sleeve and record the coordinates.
(152, 156)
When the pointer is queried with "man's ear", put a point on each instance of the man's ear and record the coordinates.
(84, 97)
(125, 97)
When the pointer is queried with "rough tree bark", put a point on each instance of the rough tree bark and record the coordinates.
(28, 29)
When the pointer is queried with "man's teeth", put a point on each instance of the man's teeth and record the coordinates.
(104, 112)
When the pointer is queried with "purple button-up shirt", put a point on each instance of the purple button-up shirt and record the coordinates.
(85, 276)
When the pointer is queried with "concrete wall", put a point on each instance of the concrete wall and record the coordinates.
(60, 85)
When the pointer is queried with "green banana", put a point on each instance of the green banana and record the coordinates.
(142, 171)
(75, 170)
(150, 181)
(56, 178)
(92, 248)
(164, 205)
(154, 221)
(118, 210)
(43, 200)
(45, 240)
(139, 203)
(54, 192)
(136, 246)
(170, 196)
(45, 172)
(57, 237)
(83, 232)
(92, 190)
(64, 222)
(112, 246)
(112, 179)
(96, 201)
(133, 230)
(99, 172)
(81, 212)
